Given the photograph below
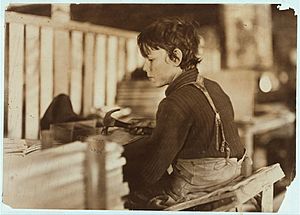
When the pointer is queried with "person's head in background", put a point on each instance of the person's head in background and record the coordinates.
(170, 46)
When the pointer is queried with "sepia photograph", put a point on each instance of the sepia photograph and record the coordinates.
(148, 107)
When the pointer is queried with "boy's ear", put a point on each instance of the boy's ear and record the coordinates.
(177, 57)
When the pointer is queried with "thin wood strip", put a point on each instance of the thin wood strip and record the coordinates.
(96, 179)
(13, 17)
(60, 12)
(61, 62)
(258, 181)
(121, 58)
(46, 73)
(111, 74)
(131, 55)
(88, 83)
(15, 80)
(100, 70)
(76, 70)
(267, 199)
(32, 87)
(269, 122)
(264, 30)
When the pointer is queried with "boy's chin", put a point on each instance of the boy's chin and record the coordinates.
(156, 84)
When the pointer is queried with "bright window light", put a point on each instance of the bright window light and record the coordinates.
(265, 84)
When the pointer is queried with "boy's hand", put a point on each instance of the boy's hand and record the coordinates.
(140, 130)
(141, 126)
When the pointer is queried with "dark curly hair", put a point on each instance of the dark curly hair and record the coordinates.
(170, 33)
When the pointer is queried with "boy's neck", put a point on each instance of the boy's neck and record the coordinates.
(178, 73)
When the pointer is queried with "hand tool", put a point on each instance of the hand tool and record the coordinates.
(109, 121)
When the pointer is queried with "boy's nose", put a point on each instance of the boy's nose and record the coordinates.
(146, 67)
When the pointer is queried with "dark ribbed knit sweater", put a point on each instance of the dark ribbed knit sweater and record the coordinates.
(185, 127)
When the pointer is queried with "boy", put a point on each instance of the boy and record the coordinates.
(195, 131)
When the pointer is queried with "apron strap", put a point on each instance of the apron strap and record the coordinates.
(218, 122)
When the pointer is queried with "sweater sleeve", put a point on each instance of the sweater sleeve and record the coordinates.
(166, 141)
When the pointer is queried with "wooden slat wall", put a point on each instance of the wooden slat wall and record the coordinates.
(121, 58)
(46, 76)
(71, 58)
(131, 55)
(100, 68)
(15, 80)
(111, 80)
(32, 82)
(88, 84)
(76, 70)
(61, 62)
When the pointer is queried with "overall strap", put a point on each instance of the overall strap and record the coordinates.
(199, 83)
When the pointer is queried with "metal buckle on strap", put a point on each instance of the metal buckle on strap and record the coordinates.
(218, 117)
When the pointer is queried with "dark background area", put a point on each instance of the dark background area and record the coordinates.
(130, 16)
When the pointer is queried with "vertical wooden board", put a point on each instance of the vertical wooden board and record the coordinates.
(246, 137)
(76, 71)
(231, 44)
(239, 31)
(46, 73)
(121, 58)
(15, 80)
(95, 176)
(88, 82)
(32, 82)
(61, 62)
(100, 70)
(263, 35)
(267, 199)
(111, 80)
(131, 55)
(60, 12)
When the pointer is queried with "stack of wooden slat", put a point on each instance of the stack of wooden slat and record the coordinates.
(53, 178)
(105, 179)
(141, 96)
(20, 146)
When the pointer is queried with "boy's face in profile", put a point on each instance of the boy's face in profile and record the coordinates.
(161, 70)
